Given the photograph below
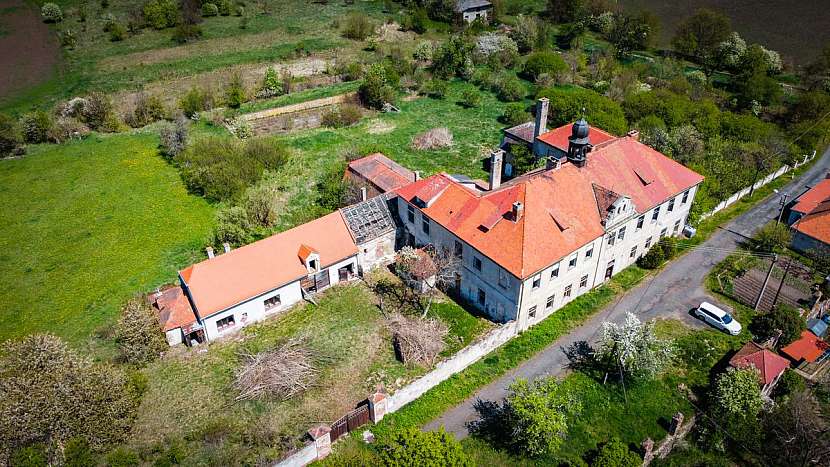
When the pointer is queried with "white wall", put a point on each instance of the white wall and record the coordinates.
(174, 336)
(255, 307)
(377, 252)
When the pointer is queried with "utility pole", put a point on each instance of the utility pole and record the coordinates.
(777, 292)
(766, 281)
(783, 203)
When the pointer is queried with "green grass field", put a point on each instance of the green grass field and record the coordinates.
(86, 225)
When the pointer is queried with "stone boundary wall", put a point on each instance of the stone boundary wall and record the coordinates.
(293, 108)
(740, 194)
(458, 362)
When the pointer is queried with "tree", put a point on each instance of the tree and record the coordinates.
(566, 11)
(633, 348)
(533, 418)
(161, 14)
(51, 13)
(357, 27)
(523, 159)
(653, 259)
(783, 318)
(736, 393)
(798, 432)
(10, 136)
(525, 33)
(772, 237)
(545, 62)
(375, 89)
(428, 269)
(615, 453)
(138, 333)
(633, 32)
(568, 105)
(700, 34)
(415, 448)
(50, 394)
(452, 57)
(515, 114)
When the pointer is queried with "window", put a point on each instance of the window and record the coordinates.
(640, 221)
(549, 303)
(648, 243)
(621, 234)
(583, 281)
(503, 281)
(612, 237)
(671, 205)
(663, 232)
(459, 249)
(676, 228)
(555, 272)
(685, 197)
(225, 323)
(272, 302)
(572, 262)
(590, 252)
(410, 213)
(655, 214)
(537, 281)
(482, 297)
(633, 252)
(477, 263)
(567, 292)
(532, 311)
(425, 225)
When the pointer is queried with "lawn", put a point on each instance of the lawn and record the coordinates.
(346, 329)
(86, 225)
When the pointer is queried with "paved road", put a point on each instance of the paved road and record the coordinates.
(672, 293)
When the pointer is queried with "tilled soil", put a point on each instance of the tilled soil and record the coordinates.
(29, 52)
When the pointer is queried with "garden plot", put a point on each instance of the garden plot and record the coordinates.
(795, 291)
(300, 116)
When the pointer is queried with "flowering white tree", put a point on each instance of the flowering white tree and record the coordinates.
(634, 347)
(426, 270)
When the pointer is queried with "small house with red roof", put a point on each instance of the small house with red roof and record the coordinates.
(810, 218)
(532, 244)
(809, 348)
(378, 174)
(770, 365)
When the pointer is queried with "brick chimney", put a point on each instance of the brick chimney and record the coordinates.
(227, 247)
(634, 134)
(363, 195)
(496, 160)
(518, 210)
(209, 251)
(541, 117)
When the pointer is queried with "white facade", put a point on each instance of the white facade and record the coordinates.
(506, 297)
(376, 252)
(257, 308)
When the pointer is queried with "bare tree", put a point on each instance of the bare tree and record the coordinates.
(799, 433)
(429, 269)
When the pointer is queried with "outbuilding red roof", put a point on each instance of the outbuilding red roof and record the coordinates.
(173, 308)
(768, 364)
(813, 197)
(816, 223)
(808, 347)
(384, 173)
(560, 208)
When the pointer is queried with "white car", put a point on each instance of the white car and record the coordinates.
(718, 318)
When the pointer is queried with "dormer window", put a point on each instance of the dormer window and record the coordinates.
(310, 258)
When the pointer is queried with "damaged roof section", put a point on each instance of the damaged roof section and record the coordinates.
(369, 219)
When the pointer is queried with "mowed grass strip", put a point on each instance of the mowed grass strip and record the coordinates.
(86, 225)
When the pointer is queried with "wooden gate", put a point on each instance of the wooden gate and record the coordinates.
(350, 422)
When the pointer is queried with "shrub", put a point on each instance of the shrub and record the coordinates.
(51, 13)
(436, 88)
(139, 336)
(123, 457)
(148, 109)
(772, 237)
(509, 89)
(186, 32)
(225, 7)
(210, 9)
(412, 446)
(423, 51)
(453, 58)
(271, 84)
(174, 137)
(263, 203)
(470, 98)
(783, 318)
(34, 455)
(341, 116)
(545, 62)
(77, 453)
(235, 92)
(333, 191)
(515, 114)
(196, 100)
(376, 89)
(161, 14)
(790, 383)
(232, 226)
(117, 32)
(358, 27)
(669, 247)
(418, 21)
(436, 138)
(52, 393)
(66, 129)
(653, 259)
(97, 111)
(35, 126)
(615, 453)
(525, 33)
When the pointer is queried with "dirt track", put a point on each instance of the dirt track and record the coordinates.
(29, 52)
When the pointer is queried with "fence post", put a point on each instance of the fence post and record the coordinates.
(377, 405)
(321, 434)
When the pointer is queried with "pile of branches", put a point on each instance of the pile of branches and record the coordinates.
(435, 138)
(417, 340)
(282, 372)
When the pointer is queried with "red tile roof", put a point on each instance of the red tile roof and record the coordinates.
(769, 364)
(384, 173)
(558, 137)
(816, 223)
(226, 280)
(560, 208)
(173, 308)
(808, 347)
(813, 197)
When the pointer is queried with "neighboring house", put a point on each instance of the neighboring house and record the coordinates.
(533, 244)
(250, 283)
(810, 218)
(373, 230)
(471, 10)
(807, 349)
(809, 200)
(770, 365)
(378, 174)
